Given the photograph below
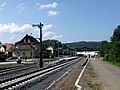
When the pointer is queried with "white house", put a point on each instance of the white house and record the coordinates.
(2, 49)
(50, 49)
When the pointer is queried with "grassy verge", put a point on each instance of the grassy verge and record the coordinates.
(115, 63)
(91, 72)
(92, 84)
(90, 80)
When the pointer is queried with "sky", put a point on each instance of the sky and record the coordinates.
(64, 20)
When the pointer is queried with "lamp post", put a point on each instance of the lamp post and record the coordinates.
(58, 48)
(40, 27)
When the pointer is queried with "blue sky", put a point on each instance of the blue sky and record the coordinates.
(65, 20)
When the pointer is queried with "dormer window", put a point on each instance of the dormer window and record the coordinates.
(24, 40)
(28, 40)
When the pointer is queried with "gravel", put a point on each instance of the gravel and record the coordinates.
(67, 82)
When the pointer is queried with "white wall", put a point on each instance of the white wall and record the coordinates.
(91, 53)
(2, 49)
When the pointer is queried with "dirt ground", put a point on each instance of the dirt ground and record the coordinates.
(90, 79)
(67, 82)
(104, 76)
(108, 73)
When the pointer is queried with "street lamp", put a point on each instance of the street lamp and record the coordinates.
(58, 48)
(40, 27)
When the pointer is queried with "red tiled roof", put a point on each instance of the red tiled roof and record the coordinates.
(1, 45)
(8, 46)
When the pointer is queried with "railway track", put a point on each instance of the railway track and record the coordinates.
(6, 74)
(17, 68)
(17, 82)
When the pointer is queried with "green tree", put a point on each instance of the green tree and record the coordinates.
(114, 52)
(104, 48)
(53, 43)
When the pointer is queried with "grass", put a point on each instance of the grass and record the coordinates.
(115, 63)
(112, 62)
(93, 85)
(91, 72)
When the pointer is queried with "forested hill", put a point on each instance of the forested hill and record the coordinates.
(84, 46)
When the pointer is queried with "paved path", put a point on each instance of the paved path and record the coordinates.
(109, 74)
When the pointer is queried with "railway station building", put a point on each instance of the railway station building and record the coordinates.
(28, 47)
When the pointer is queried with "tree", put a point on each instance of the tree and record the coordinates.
(114, 52)
(104, 48)
(53, 43)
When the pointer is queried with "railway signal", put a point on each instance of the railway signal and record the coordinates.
(40, 27)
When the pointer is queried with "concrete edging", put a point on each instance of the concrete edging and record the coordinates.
(79, 77)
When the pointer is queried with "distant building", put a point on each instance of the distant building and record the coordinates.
(50, 49)
(49, 52)
(28, 47)
(88, 53)
(6, 49)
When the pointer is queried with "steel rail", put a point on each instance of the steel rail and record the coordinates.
(14, 81)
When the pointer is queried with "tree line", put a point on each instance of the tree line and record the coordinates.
(112, 48)
(55, 44)
(84, 46)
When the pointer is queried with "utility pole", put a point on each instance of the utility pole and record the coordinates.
(58, 48)
(40, 27)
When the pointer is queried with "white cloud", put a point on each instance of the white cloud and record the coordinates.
(50, 5)
(37, 4)
(57, 37)
(13, 28)
(48, 34)
(22, 7)
(52, 13)
(2, 6)
(1, 40)
(45, 30)
(11, 39)
(17, 31)
(47, 27)
(47, 6)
